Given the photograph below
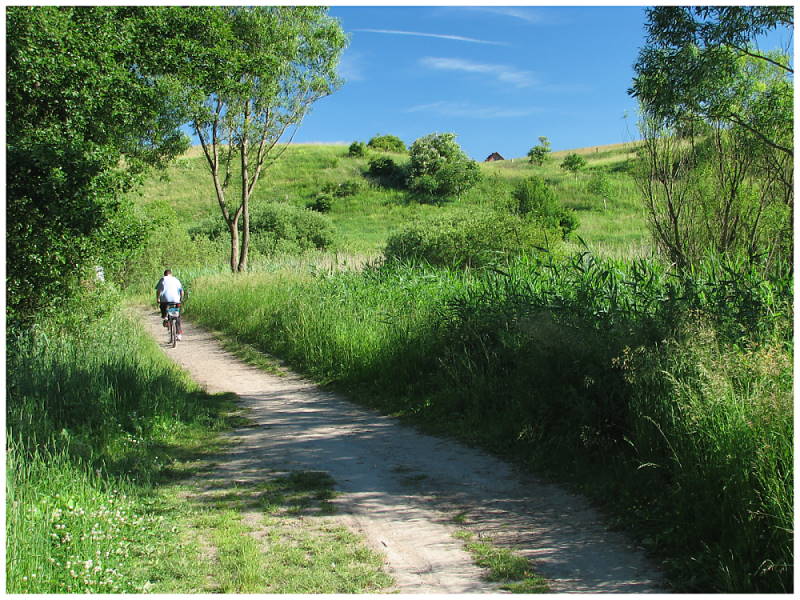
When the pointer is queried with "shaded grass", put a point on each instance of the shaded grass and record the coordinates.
(276, 536)
(97, 417)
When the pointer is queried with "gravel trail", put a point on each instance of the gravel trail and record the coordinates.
(402, 490)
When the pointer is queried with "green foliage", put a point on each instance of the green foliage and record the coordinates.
(467, 239)
(387, 172)
(439, 168)
(693, 65)
(276, 228)
(388, 143)
(600, 185)
(713, 193)
(534, 199)
(322, 203)
(573, 163)
(255, 73)
(539, 153)
(357, 150)
(95, 414)
(81, 95)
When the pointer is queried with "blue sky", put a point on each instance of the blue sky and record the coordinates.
(498, 77)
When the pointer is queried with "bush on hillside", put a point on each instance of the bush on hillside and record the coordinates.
(276, 227)
(387, 172)
(467, 240)
(439, 168)
(357, 150)
(388, 143)
(322, 203)
(534, 199)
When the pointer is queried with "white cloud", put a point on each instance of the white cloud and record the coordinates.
(442, 36)
(503, 73)
(463, 109)
(515, 12)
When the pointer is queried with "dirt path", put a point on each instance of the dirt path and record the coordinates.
(402, 490)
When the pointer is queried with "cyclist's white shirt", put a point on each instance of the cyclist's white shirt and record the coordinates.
(169, 289)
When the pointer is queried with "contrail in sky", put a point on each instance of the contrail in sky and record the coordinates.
(457, 38)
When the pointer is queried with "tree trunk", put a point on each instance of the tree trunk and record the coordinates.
(245, 207)
(233, 229)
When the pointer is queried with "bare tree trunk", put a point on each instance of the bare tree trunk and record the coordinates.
(245, 207)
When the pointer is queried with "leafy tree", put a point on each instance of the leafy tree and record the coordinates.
(692, 64)
(573, 163)
(538, 154)
(600, 185)
(253, 82)
(86, 113)
(717, 172)
(439, 169)
(389, 143)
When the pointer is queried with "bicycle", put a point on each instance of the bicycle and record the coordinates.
(173, 313)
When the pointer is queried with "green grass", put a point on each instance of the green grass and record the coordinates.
(106, 439)
(503, 565)
(590, 370)
(273, 536)
(365, 220)
(98, 417)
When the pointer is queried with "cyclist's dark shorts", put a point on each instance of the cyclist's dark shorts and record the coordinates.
(164, 306)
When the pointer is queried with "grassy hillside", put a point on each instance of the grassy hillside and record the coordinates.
(364, 220)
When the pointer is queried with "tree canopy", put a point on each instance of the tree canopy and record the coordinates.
(84, 115)
(700, 62)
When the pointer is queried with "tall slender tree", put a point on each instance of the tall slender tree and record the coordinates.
(251, 86)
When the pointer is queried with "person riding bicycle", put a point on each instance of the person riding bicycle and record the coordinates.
(169, 291)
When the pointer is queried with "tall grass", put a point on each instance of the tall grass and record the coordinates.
(94, 410)
(669, 399)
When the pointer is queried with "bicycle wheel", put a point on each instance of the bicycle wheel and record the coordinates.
(173, 332)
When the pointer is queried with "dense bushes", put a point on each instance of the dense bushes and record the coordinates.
(467, 239)
(439, 169)
(276, 228)
(357, 150)
(387, 143)
(533, 198)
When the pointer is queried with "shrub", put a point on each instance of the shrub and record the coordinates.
(533, 198)
(389, 143)
(439, 168)
(599, 185)
(386, 171)
(274, 226)
(538, 154)
(573, 163)
(357, 150)
(341, 190)
(466, 240)
(322, 203)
